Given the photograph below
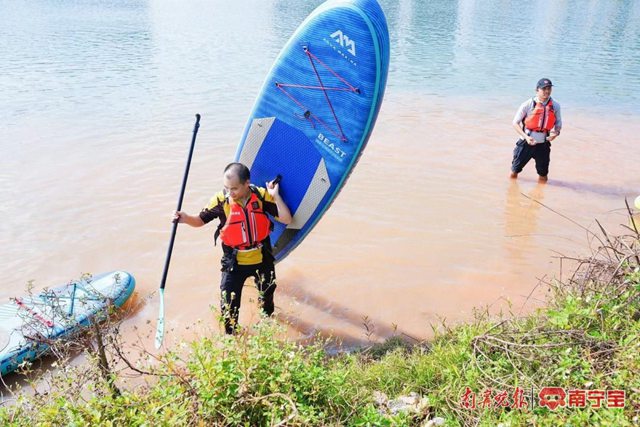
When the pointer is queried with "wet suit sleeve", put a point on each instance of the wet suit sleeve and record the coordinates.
(269, 204)
(214, 209)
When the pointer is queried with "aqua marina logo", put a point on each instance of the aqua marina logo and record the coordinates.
(344, 41)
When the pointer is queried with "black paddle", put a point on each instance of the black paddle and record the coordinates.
(160, 326)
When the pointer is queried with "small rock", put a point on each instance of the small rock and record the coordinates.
(423, 404)
(410, 404)
(380, 398)
(437, 421)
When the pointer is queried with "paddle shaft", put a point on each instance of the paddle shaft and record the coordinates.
(184, 185)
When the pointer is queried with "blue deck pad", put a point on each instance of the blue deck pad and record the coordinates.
(323, 95)
(282, 143)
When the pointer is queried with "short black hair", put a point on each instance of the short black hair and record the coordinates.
(239, 170)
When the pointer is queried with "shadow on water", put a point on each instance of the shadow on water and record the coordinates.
(586, 187)
(372, 329)
(603, 190)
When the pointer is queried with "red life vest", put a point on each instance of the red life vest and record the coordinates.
(245, 227)
(542, 118)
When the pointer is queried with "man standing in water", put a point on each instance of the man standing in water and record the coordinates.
(244, 230)
(538, 122)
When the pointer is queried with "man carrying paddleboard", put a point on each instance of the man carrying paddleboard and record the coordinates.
(244, 230)
(538, 122)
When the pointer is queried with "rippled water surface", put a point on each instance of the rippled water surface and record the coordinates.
(97, 102)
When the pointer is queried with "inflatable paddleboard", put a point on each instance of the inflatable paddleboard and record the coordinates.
(316, 111)
(27, 323)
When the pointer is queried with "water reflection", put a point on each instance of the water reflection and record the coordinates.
(521, 221)
(422, 43)
(471, 47)
(287, 15)
(69, 56)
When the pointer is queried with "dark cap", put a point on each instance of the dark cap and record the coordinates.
(543, 83)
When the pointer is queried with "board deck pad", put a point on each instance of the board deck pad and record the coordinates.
(307, 181)
(316, 111)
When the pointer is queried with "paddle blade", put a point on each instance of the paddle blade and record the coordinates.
(160, 325)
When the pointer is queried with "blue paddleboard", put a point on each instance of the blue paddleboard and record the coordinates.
(316, 111)
(28, 323)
